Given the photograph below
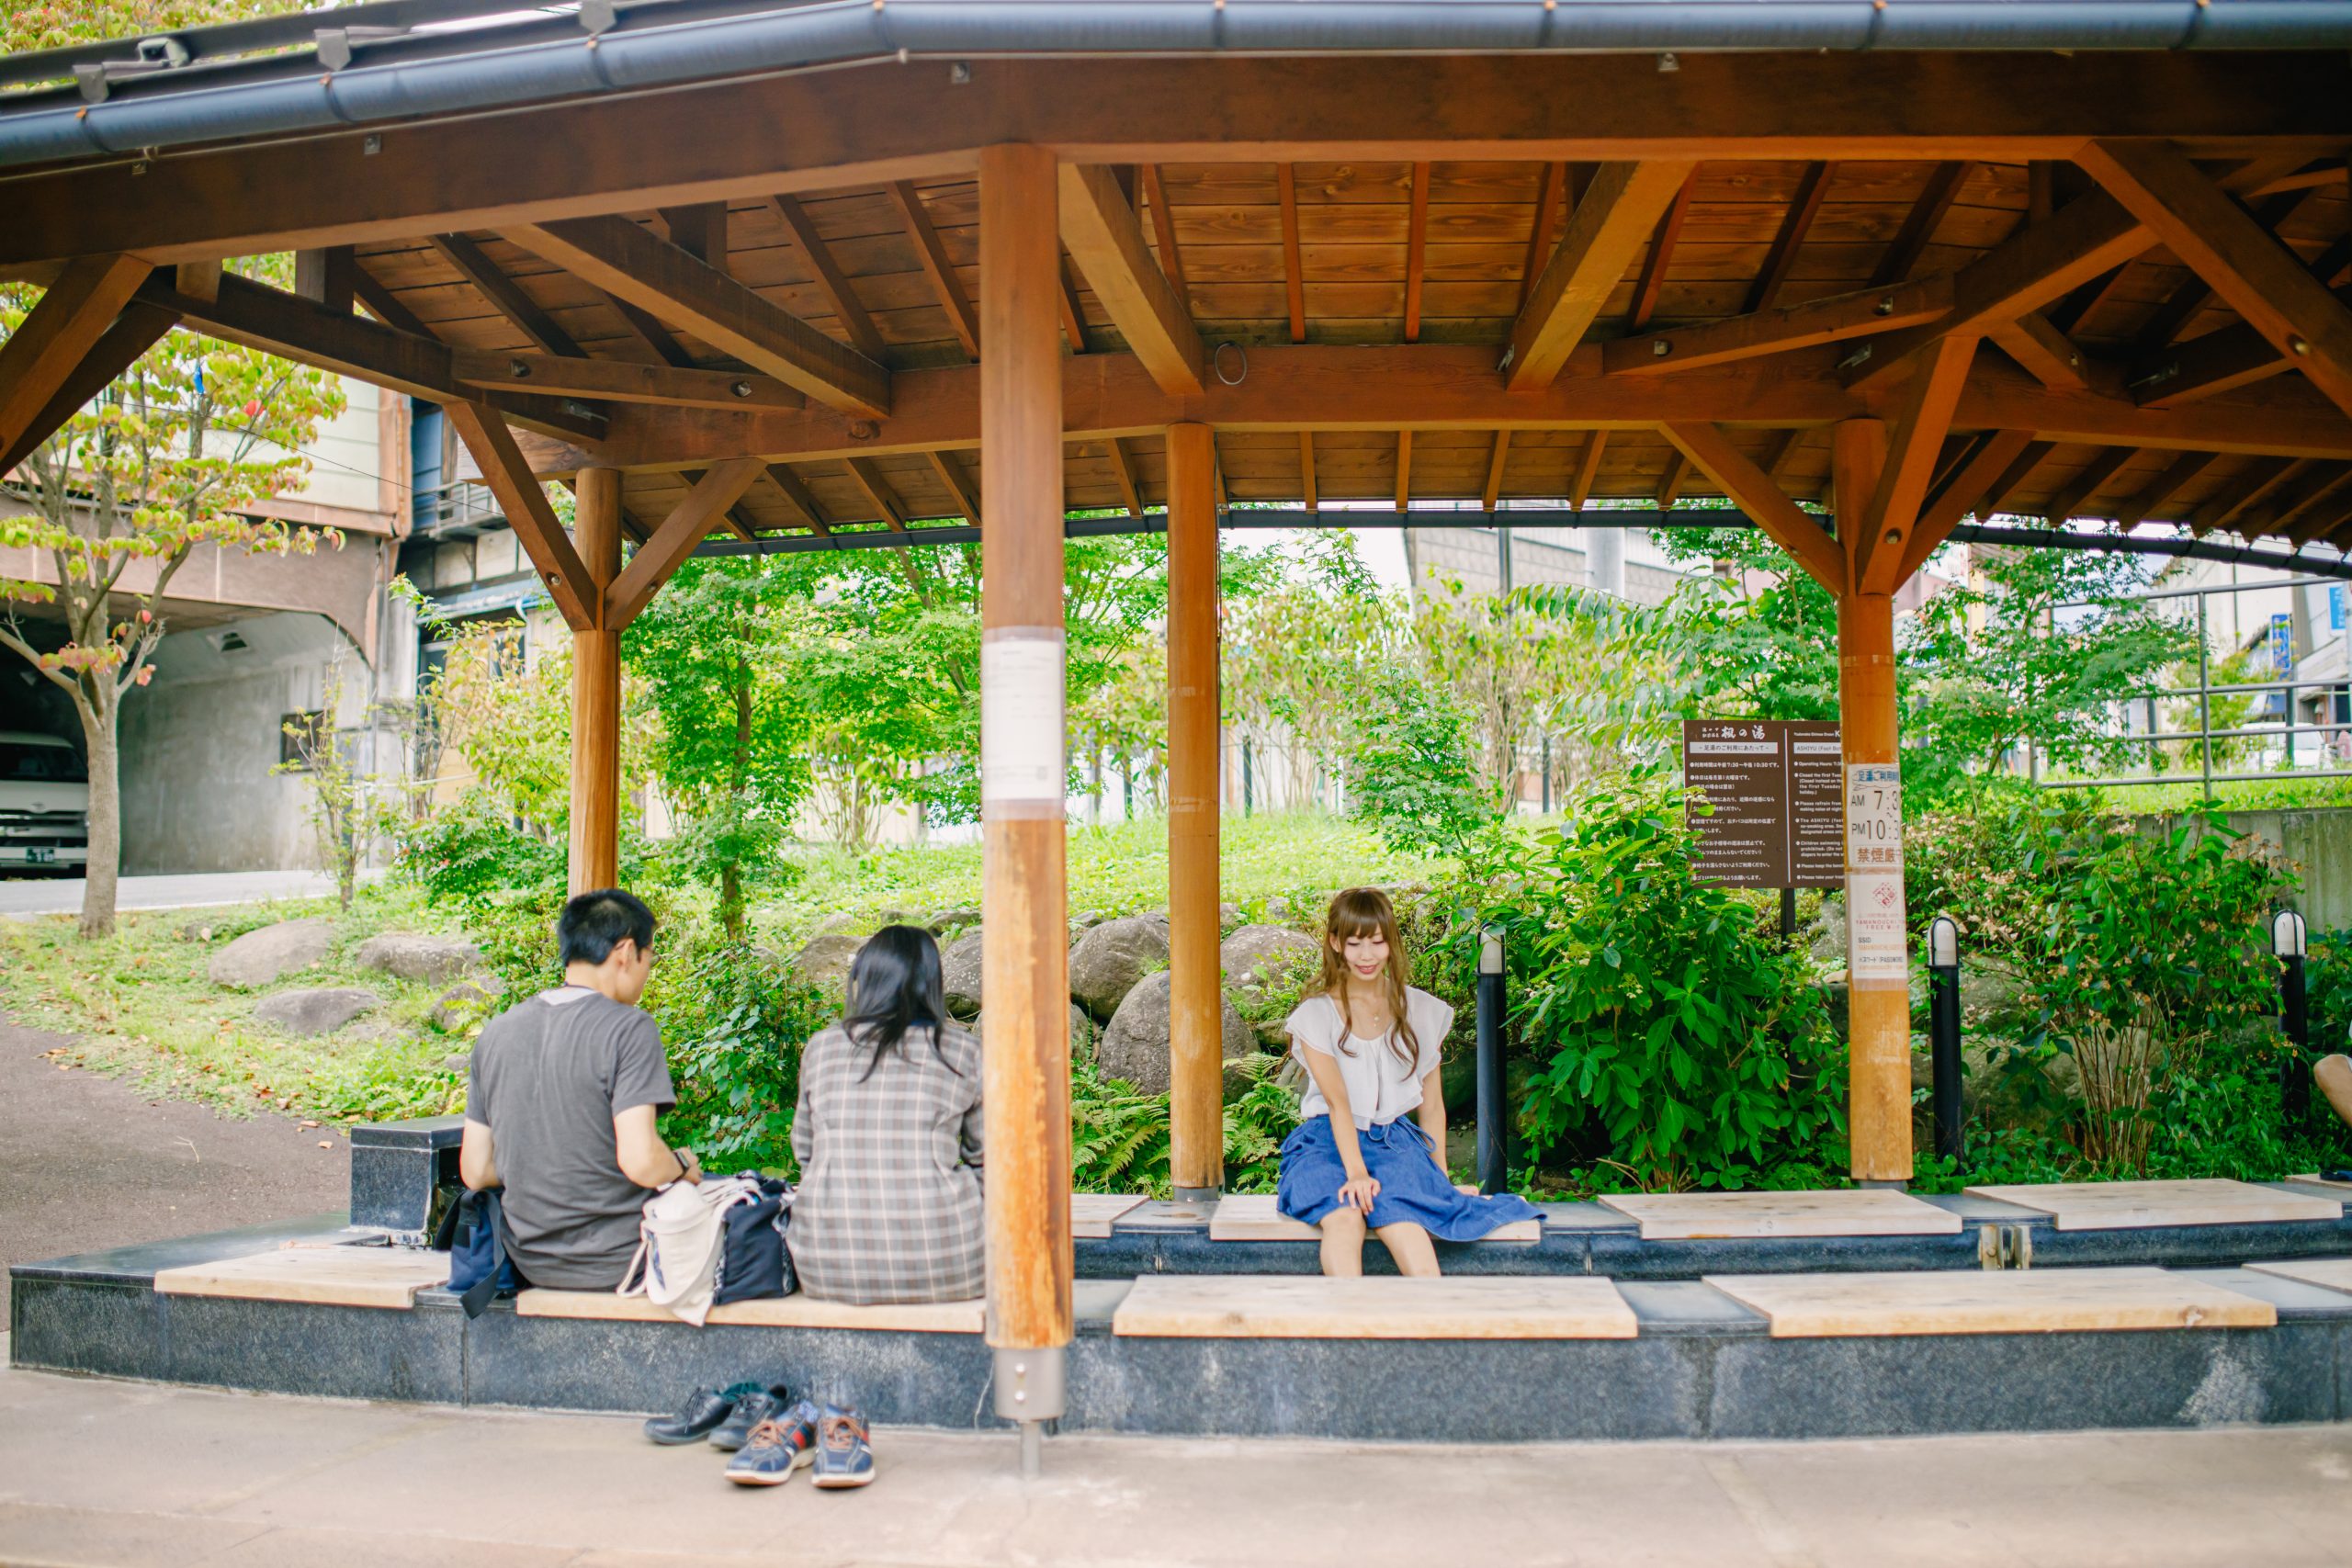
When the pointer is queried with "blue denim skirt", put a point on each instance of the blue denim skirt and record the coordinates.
(1413, 1191)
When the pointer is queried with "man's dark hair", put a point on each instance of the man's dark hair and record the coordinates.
(593, 922)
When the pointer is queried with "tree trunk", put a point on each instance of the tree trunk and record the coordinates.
(104, 863)
(731, 875)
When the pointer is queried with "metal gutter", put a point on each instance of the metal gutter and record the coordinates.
(671, 44)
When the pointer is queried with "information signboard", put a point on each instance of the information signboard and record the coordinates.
(1776, 790)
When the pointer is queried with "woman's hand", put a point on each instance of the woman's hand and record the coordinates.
(1358, 1191)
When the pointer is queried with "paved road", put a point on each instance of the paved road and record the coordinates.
(26, 896)
(99, 1472)
(88, 1162)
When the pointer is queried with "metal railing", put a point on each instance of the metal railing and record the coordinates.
(445, 507)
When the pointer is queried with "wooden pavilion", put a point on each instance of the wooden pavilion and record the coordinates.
(759, 270)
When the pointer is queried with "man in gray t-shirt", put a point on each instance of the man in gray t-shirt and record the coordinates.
(562, 1099)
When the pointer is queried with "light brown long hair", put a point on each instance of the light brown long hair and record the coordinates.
(1366, 911)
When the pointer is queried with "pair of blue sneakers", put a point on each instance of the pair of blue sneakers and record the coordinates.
(834, 1441)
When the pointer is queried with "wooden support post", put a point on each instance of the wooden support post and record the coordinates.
(596, 690)
(1196, 1009)
(1025, 958)
(1878, 994)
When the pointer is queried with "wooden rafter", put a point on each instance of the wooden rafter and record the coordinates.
(1066, 299)
(1661, 253)
(505, 295)
(1914, 441)
(847, 308)
(1163, 227)
(1306, 470)
(1783, 448)
(201, 280)
(138, 329)
(2314, 514)
(57, 333)
(932, 254)
(2261, 279)
(1494, 491)
(2219, 361)
(1107, 243)
(1738, 477)
(1610, 223)
(688, 525)
(1416, 244)
(526, 510)
(1919, 224)
(656, 337)
(2253, 482)
(381, 301)
(1776, 330)
(1670, 480)
(621, 258)
(1293, 280)
(2007, 483)
(878, 491)
(1964, 490)
(621, 380)
(738, 522)
(2182, 304)
(699, 229)
(1550, 193)
(326, 276)
(960, 492)
(2163, 488)
(1122, 469)
(2083, 487)
(2049, 356)
(800, 498)
(1804, 207)
(1404, 468)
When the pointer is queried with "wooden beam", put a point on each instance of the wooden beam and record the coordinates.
(621, 380)
(57, 333)
(1833, 320)
(1107, 244)
(800, 497)
(1913, 443)
(1783, 447)
(1163, 227)
(1670, 480)
(699, 229)
(1661, 252)
(2049, 356)
(525, 504)
(1404, 468)
(944, 284)
(2084, 486)
(1196, 1099)
(1615, 216)
(381, 301)
(1494, 490)
(324, 276)
(1804, 207)
(624, 260)
(1919, 224)
(656, 337)
(1551, 193)
(2253, 482)
(1306, 470)
(201, 280)
(2219, 361)
(2005, 484)
(2163, 488)
(1416, 244)
(1294, 281)
(1963, 492)
(737, 522)
(1066, 298)
(2313, 513)
(847, 308)
(139, 328)
(1811, 547)
(1587, 469)
(2262, 280)
(2183, 303)
(960, 493)
(878, 491)
(688, 525)
(1123, 468)
(595, 782)
(505, 295)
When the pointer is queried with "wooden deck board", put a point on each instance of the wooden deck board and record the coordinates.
(384, 1277)
(1285, 1306)
(1684, 1216)
(2037, 1301)
(2328, 1273)
(776, 1312)
(2116, 1205)
(1251, 1216)
(1092, 1214)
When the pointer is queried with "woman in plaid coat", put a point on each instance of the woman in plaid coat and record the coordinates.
(889, 1139)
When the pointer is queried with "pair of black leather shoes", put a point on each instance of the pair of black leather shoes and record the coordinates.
(723, 1417)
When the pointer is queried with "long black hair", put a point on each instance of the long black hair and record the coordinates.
(895, 985)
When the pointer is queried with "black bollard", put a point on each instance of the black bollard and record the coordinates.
(1493, 1153)
(1943, 1029)
(2294, 1016)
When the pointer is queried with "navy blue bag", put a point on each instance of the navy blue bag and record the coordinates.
(470, 1233)
(755, 1262)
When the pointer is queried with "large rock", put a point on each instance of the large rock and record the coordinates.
(260, 958)
(825, 961)
(1134, 1047)
(319, 1011)
(468, 1001)
(1081, 1031)
(1111, 959)
(1263, 966)
(959, 964)
(428, 960)
(962, 917)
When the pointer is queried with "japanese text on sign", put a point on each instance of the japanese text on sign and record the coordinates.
(1776, 814)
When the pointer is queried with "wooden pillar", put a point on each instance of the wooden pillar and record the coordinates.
(596, 690)
(1026, 957)
(1195, 991)
(1878, 993)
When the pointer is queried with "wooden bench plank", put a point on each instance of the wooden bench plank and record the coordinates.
(2035, 1300)
(1287, 1306)
(2116, 1205)
(1092, 1214)
(2328, 1273)
(794, 1311)
(385, 1277)
(1251, 1216)
(1685, 1216)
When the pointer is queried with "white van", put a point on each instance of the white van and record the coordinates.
(44, 803)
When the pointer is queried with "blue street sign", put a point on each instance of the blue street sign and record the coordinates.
(2282, 643)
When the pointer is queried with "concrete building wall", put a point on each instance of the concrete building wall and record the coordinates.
(1473, 558)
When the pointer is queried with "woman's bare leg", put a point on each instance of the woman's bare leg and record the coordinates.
(1342, 1244)
(1409, 1245)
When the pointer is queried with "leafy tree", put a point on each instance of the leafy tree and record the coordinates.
(1414, 771)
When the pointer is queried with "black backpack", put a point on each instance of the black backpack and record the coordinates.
(473, 1233)
(754, 1262)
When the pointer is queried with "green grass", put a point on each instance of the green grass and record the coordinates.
(141, 1007)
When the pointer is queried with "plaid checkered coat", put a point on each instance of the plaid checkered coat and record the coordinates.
(888, 1208)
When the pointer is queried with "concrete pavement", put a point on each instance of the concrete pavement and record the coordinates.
(99, 1472)
(22, 898)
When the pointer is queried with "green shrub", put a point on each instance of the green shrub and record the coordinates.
(735, 1022)
(1119, 1134)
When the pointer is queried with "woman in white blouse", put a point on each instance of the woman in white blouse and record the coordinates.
(1370, 1043)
